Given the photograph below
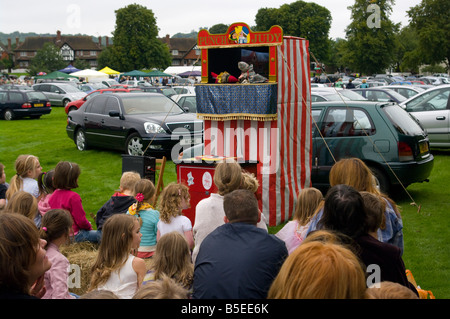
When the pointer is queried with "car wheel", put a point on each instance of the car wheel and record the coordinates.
(72, 108)
(381, 180)
(134, 145)
(8, 115)
(65, 102)
(80, 140)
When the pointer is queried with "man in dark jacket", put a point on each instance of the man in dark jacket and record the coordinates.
(238, 260)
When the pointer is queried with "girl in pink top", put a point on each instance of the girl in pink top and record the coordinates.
(65, 178)
(55, 229)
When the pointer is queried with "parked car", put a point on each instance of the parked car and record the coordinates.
(383, 135)
(16, 87)
(371, 84)
(166, 90)
(72, 106)
(90, 87)
(432, 109)
(406, 90)
(109, 82)
(321, 96)
(23, 103)
(380, 95)
(347, 94)
(59, 94)
(136, 123)
(188, 102)
(184, 89)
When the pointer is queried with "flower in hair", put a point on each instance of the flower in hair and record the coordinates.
(44, 229)
(139, 197)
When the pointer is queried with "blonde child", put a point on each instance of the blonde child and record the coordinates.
(120, 201)
(46, 189)
(173, 199)
(145, 192)
(173, 259)
(55, 229)
(295, 230)
(65, 179)
(28, 169)
(3, 186)
(164, 288)
(23, 203)
(115, 268)
(250, 182)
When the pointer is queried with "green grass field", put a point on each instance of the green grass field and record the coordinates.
(426, 232)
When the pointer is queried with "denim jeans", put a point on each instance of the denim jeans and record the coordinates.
(88, 235)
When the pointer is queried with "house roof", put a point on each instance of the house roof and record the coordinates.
(183, 45)
(75, 42)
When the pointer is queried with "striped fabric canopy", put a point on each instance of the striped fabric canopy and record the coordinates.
(282, 148)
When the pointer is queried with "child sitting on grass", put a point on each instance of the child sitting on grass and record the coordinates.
(145, 193)
(119, 201)
(115, 268)
(173, 200)
(56, 226)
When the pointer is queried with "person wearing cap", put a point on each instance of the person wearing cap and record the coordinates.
(238, 260)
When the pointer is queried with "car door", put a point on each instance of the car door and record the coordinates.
(92, 119)
(57, 94)
(432, 109)
(112, 123)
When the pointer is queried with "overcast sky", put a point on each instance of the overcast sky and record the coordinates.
(97, 17)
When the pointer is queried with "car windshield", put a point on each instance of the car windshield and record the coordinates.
(403, 122)
(134, 104)
(169, 92)
(352, 95)
(34, 95)
(398, 96)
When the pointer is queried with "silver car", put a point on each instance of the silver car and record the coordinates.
(60, 94)
(432, 109)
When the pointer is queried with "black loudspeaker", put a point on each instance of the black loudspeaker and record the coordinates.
(144, 165)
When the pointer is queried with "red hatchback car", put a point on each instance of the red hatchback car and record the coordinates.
(75, 105)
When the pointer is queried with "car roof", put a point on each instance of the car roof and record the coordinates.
(351, 103)
(438, 87)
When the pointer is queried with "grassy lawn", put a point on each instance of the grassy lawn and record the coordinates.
(426, 233)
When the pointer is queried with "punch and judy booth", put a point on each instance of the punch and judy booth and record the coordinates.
(254, 98)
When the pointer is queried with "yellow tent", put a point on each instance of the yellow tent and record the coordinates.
(108, 70)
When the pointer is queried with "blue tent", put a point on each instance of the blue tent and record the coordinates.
(69, 69)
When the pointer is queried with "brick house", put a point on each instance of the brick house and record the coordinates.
(72, 47)
(184, 51)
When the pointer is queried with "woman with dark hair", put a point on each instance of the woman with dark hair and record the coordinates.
(23, 261)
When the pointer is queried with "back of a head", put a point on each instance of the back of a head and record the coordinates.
(241, 205)
(374, 207)
(227, 176)
(389, 290)
(353, 172)
(164, 288)
(318, 270)
(344, 211)
(308, 201)
(66, 175)
(23, 203)
(129, 180)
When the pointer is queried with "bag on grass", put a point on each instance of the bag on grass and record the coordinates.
(423, 294)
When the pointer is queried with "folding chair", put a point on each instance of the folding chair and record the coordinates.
(160, 165)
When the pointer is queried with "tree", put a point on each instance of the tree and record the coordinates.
(47, 59)
(431, 20)
(406, 58)
(135, 40)
(370, 37)
(218, 29)
(303, 19)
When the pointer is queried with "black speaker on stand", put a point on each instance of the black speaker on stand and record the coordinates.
(144, 165)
